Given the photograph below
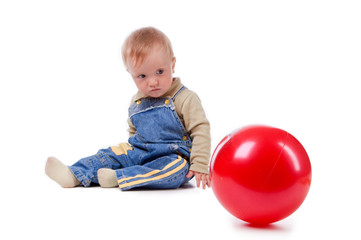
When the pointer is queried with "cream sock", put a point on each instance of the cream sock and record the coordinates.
(107, 178)
(60, 173)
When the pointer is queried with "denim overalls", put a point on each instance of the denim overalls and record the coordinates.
(155, 157)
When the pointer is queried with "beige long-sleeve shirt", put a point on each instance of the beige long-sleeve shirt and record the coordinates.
(191, 113)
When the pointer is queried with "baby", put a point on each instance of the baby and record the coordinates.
(169, 134)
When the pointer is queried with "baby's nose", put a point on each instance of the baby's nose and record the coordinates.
(153, 81)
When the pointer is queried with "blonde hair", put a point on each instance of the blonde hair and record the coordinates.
(140, 42)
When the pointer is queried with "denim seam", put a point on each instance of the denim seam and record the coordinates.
(81, 177)
(148, 109)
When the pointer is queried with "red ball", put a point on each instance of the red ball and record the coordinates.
(260, 174)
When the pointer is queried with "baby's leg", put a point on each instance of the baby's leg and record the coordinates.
(107, 177)
(86, 169)
(163, 173)
(60, 173)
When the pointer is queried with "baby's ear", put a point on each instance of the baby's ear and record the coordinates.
(174, 60)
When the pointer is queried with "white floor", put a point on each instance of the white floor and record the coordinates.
(51, 212)
(64, 92)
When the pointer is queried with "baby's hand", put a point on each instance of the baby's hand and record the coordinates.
(200, 177)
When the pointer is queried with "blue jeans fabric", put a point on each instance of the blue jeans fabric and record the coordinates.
(165, 172)
(157, 156)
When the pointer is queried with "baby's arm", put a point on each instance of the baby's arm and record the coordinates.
(198, 127)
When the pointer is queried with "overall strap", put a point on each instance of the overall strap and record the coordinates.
(175, 95)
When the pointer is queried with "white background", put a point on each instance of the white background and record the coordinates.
(294, 65)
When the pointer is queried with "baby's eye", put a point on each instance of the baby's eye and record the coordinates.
(160, 71)
(141, 76)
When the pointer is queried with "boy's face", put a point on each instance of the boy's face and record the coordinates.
(154, 76)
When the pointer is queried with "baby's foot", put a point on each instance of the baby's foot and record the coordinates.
(60, 173)
(107, 178)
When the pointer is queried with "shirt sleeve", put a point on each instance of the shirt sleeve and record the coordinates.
(131, 129)
(197, 125)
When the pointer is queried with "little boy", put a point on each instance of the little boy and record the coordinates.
(169, 134)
